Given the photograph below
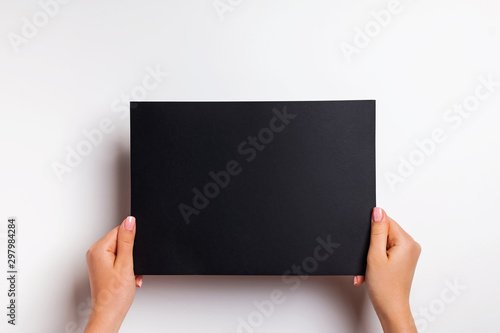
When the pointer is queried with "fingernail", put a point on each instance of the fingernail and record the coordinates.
(355, 279)
(377, 214)
(139, 283)
(129, 223)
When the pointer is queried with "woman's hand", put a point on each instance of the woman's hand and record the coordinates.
(392, 258)
(112, 280)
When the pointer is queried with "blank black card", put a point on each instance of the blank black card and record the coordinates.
(252, 188)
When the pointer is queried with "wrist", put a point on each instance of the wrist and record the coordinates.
(397, 320)
(102, 323)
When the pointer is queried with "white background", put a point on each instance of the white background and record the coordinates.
(66, 78)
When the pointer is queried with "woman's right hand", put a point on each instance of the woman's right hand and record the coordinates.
(392, 258)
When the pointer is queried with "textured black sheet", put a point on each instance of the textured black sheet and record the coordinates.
(296, 203)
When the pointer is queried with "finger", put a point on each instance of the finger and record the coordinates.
(108, 242)
(396, 234)
(138, 281)
(398, 237)
(379, 233)
(359, 279)
(125, 242)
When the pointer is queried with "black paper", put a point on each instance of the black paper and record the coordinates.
(294, 197)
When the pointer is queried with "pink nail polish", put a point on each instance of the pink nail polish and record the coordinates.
(355, 279)
(129, 223)
(377, 214)
(139, 283)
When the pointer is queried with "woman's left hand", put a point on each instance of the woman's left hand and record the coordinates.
(112, 279)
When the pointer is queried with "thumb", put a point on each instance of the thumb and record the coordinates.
(125, 242)
(379, 233)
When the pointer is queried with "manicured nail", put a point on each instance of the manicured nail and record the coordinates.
(139, 283)
(377, 214)
(355, 279)
(129, 223)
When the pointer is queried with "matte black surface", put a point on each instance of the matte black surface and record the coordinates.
(313, 183)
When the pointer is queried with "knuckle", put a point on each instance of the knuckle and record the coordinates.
(378, 230)
(127, 241)
(372, 259)
(91, 252)
(125, 266)
(417, 248)
(88, 256)
(412, 247)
